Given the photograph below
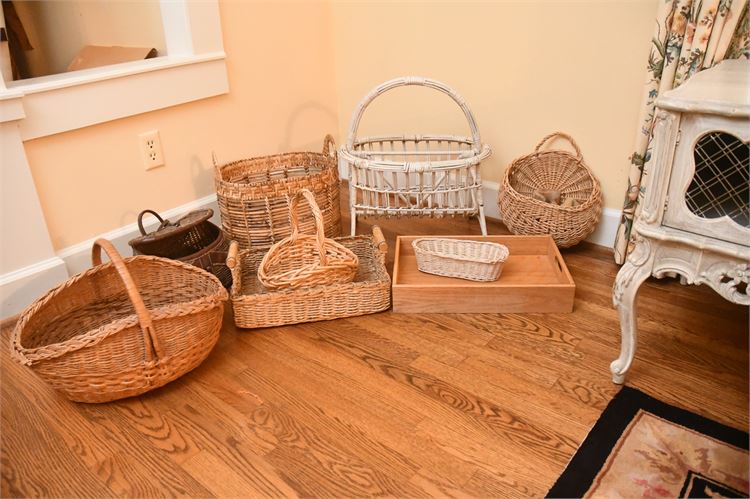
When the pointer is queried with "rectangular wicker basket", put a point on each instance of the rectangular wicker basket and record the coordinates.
(256, 306)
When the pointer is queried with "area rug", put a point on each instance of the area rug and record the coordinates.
(641, 447)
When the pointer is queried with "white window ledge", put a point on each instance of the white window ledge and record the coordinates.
(75, 100)
(194, 68)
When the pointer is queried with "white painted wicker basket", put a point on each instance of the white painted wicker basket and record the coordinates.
(472, 260)
(417, 175)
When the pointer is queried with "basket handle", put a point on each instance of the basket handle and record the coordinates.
(408, 81)
(380, 244)
(150, 340)
(329, 146)
(233, 262)
(317, 215)
(562, 136)
(162, 222)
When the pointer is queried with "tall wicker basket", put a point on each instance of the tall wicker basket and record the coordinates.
(122, 328)
(556, 170)
(254, 195)
(423, 175)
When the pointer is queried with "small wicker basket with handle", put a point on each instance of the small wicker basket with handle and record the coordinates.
(122, 328)
(304, 260)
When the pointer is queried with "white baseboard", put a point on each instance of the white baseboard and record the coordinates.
(77, 258)
(20, 288)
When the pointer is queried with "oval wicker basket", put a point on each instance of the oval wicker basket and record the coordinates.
(472, 260)
(302, 260)
(254, 194)
(122, 328)
(556, 170)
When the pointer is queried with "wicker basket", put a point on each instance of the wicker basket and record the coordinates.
(303, 260)
(192, 239)
(424, 175)
(254, 195)
(558, 171)
(122, 328)
(472, 260)
(257, 306)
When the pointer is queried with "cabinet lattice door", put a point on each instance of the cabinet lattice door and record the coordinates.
(721, 183)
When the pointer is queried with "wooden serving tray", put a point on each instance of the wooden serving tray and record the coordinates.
(533, 279)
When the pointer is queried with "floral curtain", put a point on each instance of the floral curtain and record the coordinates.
(690, 35)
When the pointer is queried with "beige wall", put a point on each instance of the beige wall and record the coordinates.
(281, 97)
(58, 30)
(297, 70)
(526, 68)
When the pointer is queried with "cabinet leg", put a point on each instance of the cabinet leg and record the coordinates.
(353, 216)
(630, 277)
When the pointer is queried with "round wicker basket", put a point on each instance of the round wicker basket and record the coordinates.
(254, 194)
(302, 260)
(122, 328)
(554, 170)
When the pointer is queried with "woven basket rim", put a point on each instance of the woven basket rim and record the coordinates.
(471, 158)
(327, 162)
(419, 137)
(417, 244)
(593, 199)
(102, 332)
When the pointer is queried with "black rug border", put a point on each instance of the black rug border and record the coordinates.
(582, 469)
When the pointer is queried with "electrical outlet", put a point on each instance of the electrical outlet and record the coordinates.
(151, 149)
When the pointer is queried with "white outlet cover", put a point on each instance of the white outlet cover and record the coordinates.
(151, 151)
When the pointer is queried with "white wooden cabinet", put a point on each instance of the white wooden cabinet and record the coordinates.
(695, 217)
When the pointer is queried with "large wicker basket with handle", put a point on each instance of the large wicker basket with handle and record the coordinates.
(306, 260)
(415, 175)
(122, 328)
(254, 194)
(555, 171)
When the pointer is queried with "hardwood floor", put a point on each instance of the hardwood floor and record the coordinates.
(479, 405)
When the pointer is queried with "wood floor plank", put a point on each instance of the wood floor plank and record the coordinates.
(391, 405)
(319, 468)
(489, 453)
(223, 480)
(455, 405)
(368, 428)
(26, 437)
(542, 406)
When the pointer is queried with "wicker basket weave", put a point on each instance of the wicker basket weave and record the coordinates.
(304, 260)
(415, 175)
(122, 328)
(191, 239)
(555, 170)
(254, 194)
(472, 260)
(256, 306)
